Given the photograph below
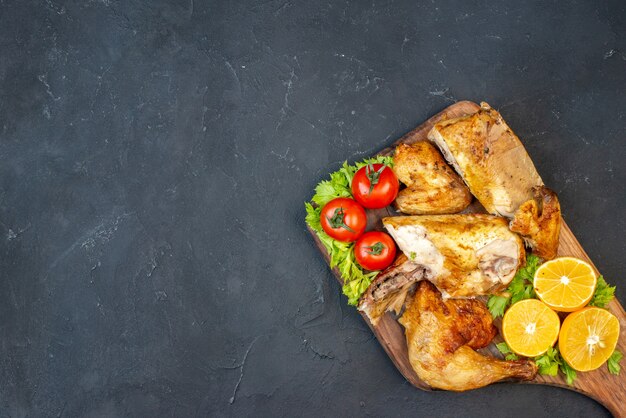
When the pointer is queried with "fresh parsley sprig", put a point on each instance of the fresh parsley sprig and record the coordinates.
(570, 374)
(603, 293)
(613, 363)
(503, 347)
(552, 361)
(548, 362)
(355, 280)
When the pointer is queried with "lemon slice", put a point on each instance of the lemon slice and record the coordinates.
(565, 284)
(588, 338)
(530, 327)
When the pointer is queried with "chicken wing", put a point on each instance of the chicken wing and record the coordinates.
(432, 186)
(538, 221)
(441, 338)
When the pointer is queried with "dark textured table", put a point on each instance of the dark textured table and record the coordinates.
(154, 161)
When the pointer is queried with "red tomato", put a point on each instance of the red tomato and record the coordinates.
(343, 219)
(375, 250)
(375, 186)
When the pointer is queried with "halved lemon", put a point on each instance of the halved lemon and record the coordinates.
(530, 327)
(588, 338)
(565, 284)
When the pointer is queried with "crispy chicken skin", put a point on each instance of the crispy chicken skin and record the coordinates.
(490, 158)
(432, 185)
(538, 221)
(463, 255)
(441, 338)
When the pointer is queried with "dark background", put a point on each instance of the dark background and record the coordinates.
(154, 161)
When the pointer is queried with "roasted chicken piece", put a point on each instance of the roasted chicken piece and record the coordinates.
(494, 164)
(538, 221)
(490, 158)
(441, 337)
(389, 289)
(432, 185)
(463, 255)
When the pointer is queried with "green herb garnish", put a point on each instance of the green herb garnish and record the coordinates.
(551, 362)
(503, 347)
(613, 362)
(497, 305)
(603, 294)
(570, 374)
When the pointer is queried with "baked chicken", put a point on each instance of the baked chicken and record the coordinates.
(432, 185)
(388, 291)
(463, 255)
(538, 221)
(490, 158)
(498, 171)
(442, 336)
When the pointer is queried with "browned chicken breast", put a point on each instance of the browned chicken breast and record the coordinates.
(538, 221)
(463, 255)
(441, 338)
(432, 185)
(494, 164)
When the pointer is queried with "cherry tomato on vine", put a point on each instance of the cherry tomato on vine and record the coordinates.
(375, 250)
(375, 186)
(343, 219)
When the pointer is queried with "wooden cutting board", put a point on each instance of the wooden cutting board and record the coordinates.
(608, 389)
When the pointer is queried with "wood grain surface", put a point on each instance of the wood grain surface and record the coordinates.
(608, 389)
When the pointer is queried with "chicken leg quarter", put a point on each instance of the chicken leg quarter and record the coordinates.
(441, 338)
